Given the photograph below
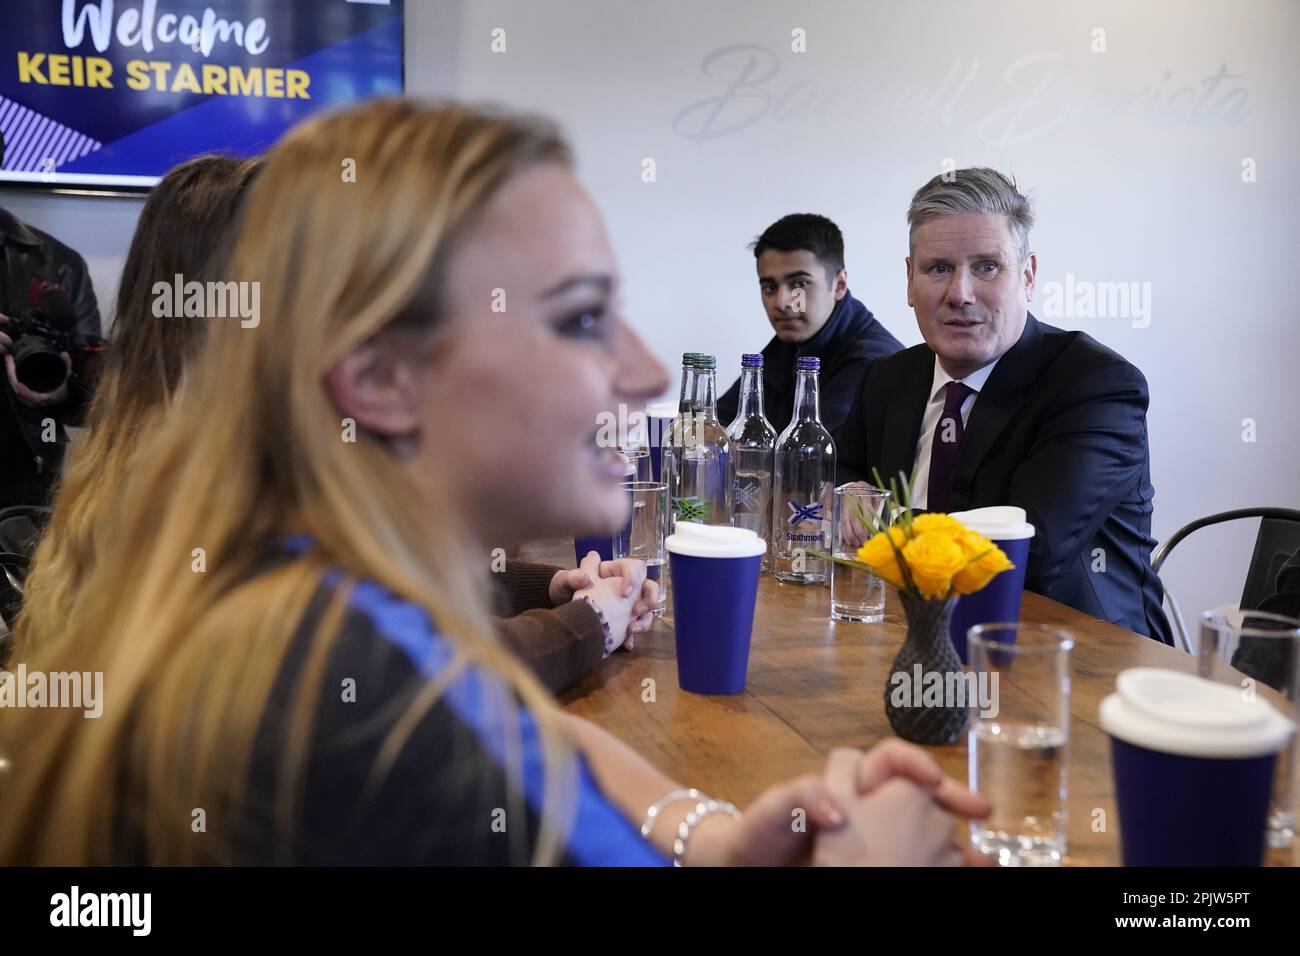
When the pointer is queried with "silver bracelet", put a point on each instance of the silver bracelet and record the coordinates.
(608, 647)
(693, 819)
(652, 814)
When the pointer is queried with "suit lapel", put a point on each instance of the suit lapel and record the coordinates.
(904, 414)
(998, 401)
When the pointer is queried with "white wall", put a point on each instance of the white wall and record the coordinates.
(1134, 156)
(99, 227)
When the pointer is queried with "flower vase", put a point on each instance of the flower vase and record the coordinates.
(921, 700)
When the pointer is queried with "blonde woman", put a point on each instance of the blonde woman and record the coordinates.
(289, 604)
(553, 619)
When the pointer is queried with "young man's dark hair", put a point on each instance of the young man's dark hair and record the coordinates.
(810, 317)
(805, 230)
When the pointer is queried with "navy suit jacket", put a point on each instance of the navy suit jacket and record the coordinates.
(1060, 430)
(849, 341)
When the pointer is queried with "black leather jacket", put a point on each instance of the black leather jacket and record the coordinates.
(28, 464)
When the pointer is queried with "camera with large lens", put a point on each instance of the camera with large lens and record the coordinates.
(36, 348)
(39, 335)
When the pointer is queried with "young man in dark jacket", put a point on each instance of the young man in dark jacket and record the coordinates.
(805, 290)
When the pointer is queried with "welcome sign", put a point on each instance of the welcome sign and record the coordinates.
(110, 94)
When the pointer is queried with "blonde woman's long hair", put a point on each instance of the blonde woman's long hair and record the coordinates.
(181, 228)
(180, 611)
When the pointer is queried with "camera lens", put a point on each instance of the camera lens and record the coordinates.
(37, 365)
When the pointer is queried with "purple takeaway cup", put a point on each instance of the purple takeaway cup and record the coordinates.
(998, 602)
(715, 571)
(1193, 762)
(659, 415)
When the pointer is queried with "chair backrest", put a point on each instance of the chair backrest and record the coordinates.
(1277, 539)
(20, 532)
(21, 527)
(13, 571)
(1276, 542)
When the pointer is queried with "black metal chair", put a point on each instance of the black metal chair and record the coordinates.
(21, 527)
(1277, 540)
(20, 531)
(13, 572)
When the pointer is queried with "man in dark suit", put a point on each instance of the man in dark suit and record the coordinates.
(997, 408)
(805, 290)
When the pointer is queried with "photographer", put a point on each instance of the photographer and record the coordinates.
(46, 297)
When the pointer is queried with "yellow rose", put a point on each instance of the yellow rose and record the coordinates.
(878, 554)
(973, 544)
(984, 561)
(933, 558)
(945, 524)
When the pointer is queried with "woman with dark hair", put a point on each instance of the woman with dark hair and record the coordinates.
(181, 227)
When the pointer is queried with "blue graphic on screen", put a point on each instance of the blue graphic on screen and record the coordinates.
(113, 93)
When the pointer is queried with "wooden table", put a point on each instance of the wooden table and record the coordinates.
(815, 684)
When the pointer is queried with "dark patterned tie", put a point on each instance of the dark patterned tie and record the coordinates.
(943, 453)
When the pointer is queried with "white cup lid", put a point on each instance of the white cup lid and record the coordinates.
(1183, 714)
(998, 523)
(664, 409)
(714, 541)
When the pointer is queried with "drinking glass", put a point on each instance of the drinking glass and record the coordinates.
(1018, 687)
(643, 538)
(856, 595)
(639, 456)
(1259, 652)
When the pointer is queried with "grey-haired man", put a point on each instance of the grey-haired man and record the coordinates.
(997, 408)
